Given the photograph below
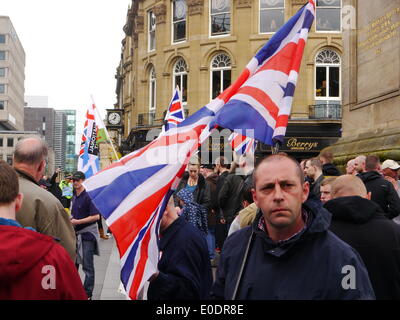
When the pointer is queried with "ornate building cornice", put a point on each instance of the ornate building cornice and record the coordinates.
(297, 2)
(195, 6)
(139, 24)
(160, 11)
(243, 4)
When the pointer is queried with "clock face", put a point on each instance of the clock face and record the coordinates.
(114, 118)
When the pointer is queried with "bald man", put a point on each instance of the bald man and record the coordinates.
(288, 252)
(359, 164)
(40, 209)
(350, 169)
(362, 224)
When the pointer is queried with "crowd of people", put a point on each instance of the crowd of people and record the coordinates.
(281, 229)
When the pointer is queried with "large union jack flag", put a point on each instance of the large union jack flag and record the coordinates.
(132, 193)
(266, 96)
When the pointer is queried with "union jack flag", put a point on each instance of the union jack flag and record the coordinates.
(270, 80)
(241, 144)
(175, 113)
(132, 193)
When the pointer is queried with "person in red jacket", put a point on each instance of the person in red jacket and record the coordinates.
(32, 265)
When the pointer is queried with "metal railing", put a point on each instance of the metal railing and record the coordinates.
(325, 111)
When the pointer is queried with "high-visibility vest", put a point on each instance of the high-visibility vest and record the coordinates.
(66, 189)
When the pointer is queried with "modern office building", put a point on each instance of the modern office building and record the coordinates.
(8, 140)
(12, 77)
(60, 139)
(41, 120)
(70, 154)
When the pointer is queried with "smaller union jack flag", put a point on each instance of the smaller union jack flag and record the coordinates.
(175, 113)
(241, 144)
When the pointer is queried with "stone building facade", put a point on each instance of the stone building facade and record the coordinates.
(203, 45)
(371, 74)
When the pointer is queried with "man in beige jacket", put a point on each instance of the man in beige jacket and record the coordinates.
(40, 209)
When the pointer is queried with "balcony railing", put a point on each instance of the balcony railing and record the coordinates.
(325, 111)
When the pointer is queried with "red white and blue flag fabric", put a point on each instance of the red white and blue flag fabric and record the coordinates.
(242, 144)
(88, 159)
(266, 96)
(175, 113)
(131, 194)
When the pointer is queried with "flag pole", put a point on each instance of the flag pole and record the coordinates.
(105, 129)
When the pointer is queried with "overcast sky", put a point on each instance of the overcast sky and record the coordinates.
(72, 50)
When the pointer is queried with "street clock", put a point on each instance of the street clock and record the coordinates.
(114, 118)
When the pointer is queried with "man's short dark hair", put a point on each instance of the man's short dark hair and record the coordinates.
(372, 162)
(327, 155)
(273, 157)
(246, 193)
(315, 162)
(9, 186)
(30, 153)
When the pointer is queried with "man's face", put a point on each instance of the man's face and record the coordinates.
(350, 167)
(359, 165)
(309, 170)
(77, 183)
(325, 193)
(279, 193)
(193, 171)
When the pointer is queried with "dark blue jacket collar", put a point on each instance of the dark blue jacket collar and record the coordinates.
(319, 220)
(169, 233)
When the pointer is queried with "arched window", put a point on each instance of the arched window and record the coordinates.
(152, 90)
(220, 74)
(180, 78)
(327, 78)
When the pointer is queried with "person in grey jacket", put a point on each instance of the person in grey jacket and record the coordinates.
(40, 209)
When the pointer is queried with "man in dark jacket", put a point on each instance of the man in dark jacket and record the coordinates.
(328, 168)
(291, 254)
(313, 170)
(184, 267)
(362, 224)
(221, 232)
(211, 180)
(382, 191)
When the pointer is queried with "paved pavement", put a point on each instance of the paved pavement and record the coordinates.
(107, 272)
